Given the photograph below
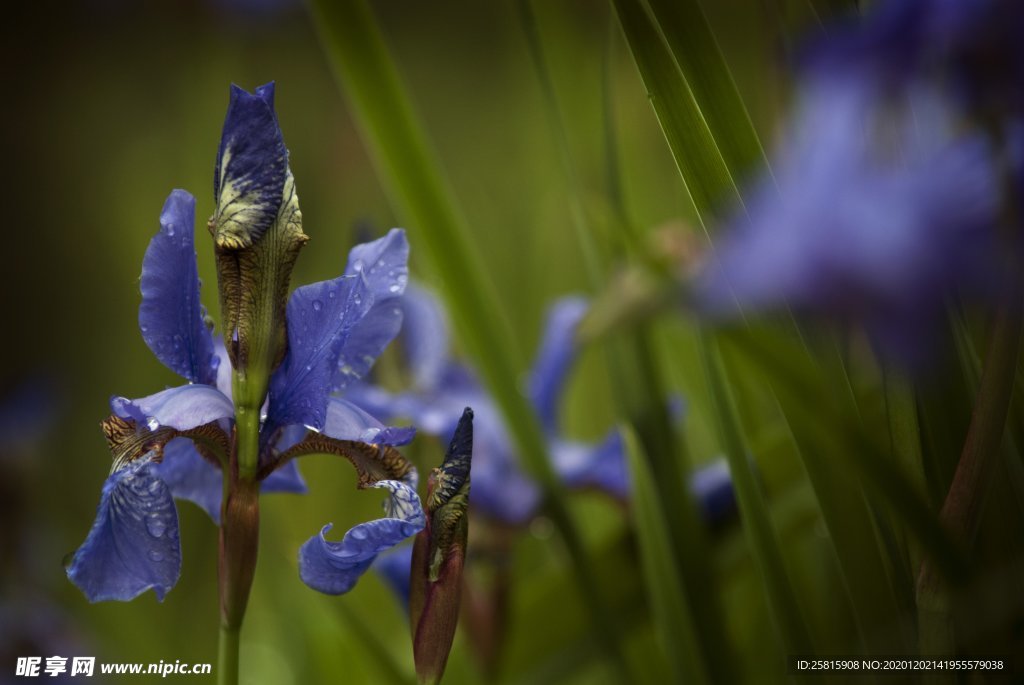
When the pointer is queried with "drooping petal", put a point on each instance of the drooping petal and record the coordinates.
(190, 477)
(425, 338)
(133, 545)
(346, 421)
(171, 316)
(602, 466)
(383, 264)
(252, 165)
(334, 567)
(183, 408)
(557, 352)
(394, 568)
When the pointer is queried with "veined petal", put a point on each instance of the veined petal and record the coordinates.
(601, 466)
(171, 316)
(346, 421)
(183, 408)
(190, 477)
(252, 165)
(557, 352)
(133, 545)
(334, 567)
(425, 338)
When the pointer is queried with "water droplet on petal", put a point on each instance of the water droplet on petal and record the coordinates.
(170, 229)
(156, 555)
(358, 533)
(152, 424)
(156, 528)
(317, 305)
(395, 288)
(358, 266)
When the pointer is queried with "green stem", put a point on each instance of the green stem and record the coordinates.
(227, 656)
(238, 546)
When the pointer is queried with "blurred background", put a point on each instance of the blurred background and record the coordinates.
(110, 104)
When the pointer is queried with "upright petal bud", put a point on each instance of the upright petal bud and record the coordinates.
(438, 556)
(257, 231)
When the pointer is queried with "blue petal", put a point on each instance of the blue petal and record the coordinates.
(321, 317)
(346, 421)
(711, 485)
(500, 488)
(183, 408)
(334, 567)
(252, 165)
(383, 265)
(601, 466)
(133, 545)
(425, 338)
(190, 477)
(395, 568)
(285, 479)
(557, 352)
(171, 314)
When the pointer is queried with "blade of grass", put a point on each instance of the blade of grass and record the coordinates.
(674, 620)
(640, 393)
(709, 182)
(411, 172)
(700, 162)
(757, 521)
(695, 48)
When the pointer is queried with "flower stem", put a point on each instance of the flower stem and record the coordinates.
(227, 656)
(238, 547)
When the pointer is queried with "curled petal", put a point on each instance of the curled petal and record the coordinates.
(557, 352)
(334, 567)
(183, 408)
(133, 545)
(346, 421)
(171, 316)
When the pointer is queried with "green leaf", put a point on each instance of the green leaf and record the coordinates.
(676, 626)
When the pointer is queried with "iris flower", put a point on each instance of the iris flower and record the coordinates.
(442, 387)
(876, 209)
(176, 443)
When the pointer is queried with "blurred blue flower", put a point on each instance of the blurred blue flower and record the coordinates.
(442, 387)
(174, 444)
(875, 209)
(973, 47)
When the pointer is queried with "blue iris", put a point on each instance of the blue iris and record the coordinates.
(170, 445)
(443, 387)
